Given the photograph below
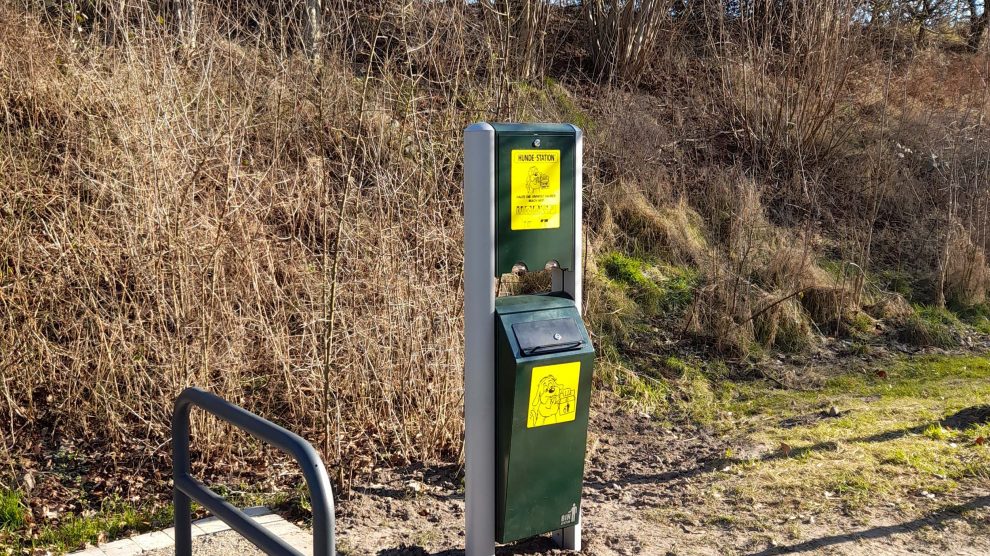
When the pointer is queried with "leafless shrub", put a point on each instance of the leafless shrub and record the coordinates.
(203, 204)
(784, 69)
(528, 24)
(967, 276)
(624, 34)
(174, 220)
(675, 233)
(722, 314)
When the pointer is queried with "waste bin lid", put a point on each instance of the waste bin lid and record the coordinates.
(508, 305)
(547, 336)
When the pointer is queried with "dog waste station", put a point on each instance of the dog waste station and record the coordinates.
(528, 358)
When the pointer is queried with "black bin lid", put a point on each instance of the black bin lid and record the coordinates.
(547, 336)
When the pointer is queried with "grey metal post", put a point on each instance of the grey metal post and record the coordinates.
(479, 339)
(571, 281)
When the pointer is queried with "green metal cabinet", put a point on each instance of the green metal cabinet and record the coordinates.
(534, 172)
(543, 369)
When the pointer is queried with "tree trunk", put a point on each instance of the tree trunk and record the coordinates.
(977, 26)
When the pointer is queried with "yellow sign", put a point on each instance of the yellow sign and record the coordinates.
(535, 189)
(553, 394)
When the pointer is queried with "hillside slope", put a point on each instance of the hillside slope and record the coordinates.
(228, 213)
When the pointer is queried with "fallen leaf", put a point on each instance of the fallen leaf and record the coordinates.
(785, 449)
(980, 440)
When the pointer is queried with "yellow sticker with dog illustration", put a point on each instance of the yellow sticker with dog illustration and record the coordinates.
(535, 189)
(553, 394)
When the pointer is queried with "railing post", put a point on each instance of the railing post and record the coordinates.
(183, 523)
(182, 505)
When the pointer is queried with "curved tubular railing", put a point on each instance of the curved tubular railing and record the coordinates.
(187, 488)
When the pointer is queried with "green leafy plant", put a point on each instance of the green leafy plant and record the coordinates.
(12, 511)
(930, 326)
(629, 271)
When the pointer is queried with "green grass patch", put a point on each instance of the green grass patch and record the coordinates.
(648, 394)
(655, 288)
(693, 394)
(977, 316)
(12, 510)
(840, 271)
(629, 271)
(115, 520)
(860, 323)
(930, 326)
(896, 281)
(914, 427)
(676, 392)
(936, 432)
(679, 286)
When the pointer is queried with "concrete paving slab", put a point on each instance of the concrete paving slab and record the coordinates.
(257, 511)
(301, 541)
(268, 518)
(153, 540)
(211, 536)
(123, 547)
(281, 528)
(212, 525)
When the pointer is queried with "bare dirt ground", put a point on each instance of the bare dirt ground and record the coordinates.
(856, 457)
(649, 490)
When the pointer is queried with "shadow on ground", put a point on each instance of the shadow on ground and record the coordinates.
(538, 545)
(936, 518)
(961, 420)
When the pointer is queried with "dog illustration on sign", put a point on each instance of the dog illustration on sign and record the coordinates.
(537, 180)
(551, 402)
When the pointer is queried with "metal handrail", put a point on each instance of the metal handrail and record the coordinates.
(187, 488)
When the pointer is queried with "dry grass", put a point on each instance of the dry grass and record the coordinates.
(227, 212)
(675, 233)
(967, 276)
(173, 220)
(891, 306)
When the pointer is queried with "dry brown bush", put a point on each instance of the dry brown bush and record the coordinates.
(967, 276)
(783, 73)
(722, 316)
(624, 34)
(891, 306)
(783, 325)
(674, 233)
(173, 220)
(225, 212)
